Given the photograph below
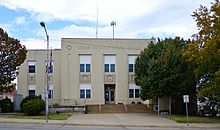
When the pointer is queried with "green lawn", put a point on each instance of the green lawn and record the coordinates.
(60, 116)
(193, 119)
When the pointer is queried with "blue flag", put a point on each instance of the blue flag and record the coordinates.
(50, 68)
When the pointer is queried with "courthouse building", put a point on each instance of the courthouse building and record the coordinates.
(84, 71)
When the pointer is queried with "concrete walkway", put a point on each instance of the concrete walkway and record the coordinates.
(118, 120)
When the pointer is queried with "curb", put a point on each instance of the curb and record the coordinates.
(151, 126)
(105, 125)
(39, 123)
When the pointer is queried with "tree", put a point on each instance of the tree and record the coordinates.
(160, 70)
(204, 54)
(12, 55)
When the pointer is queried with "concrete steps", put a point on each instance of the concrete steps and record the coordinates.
(114, 108)
(107, 108)
(137, 108)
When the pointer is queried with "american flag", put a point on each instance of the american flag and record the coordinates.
(50, 68)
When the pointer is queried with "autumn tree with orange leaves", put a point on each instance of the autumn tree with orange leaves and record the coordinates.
(12, 55)
(204, 54)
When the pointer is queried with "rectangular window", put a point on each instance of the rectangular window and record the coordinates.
(112, 66)
(106, 67)
(88, 93)
(82, 93)
(131, 63)
(31, 69)
(87, 67)
(85, 63)
(50, 94)
(131, 93)
(131, 67)
(50, 91)
(109, 63)
(31, 92)
(85, 91)
(137, 93)
(81, 67)
(31, 66)
(134, 91)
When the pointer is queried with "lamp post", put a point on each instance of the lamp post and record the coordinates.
(113, 23)
(47, 73)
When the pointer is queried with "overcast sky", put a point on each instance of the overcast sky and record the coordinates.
(77, 19)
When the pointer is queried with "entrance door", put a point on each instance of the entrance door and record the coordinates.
(109, 94)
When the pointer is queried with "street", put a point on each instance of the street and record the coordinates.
(11, 126)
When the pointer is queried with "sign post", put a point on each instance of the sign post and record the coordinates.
(186, 100)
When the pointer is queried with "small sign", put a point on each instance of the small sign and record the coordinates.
(185, 98)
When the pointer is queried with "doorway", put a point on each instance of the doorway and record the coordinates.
(110, 93)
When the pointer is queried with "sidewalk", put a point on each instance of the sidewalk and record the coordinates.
(116, 120)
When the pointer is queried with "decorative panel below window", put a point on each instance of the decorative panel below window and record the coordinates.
(110, 79)
(131, 78)
(85, 78)
(31, 79)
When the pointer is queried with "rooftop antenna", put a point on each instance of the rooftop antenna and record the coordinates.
(113, 23)
(97, 10)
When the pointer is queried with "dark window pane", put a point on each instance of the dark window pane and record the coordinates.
(130, 67)
(112, 95)
(106, 95)
(81, 67)
(82, 93)
(88, 93)
(50, 94)
(112, 67)
(106, 67)
(87, 67)
(137, 93)
(31, 92)
(131, 93)
(31, 68)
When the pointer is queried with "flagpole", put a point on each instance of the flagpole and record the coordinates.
(47, 74)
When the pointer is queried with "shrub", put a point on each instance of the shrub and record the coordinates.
(26, 99)
(6, 105)
(34, 107)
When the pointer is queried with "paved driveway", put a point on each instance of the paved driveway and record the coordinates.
(122, 119)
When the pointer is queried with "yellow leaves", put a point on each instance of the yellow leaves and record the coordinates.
(190, 53)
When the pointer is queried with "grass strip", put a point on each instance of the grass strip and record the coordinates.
(60, 116)
(193, 119)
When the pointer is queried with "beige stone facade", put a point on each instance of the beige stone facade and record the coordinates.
(85, 71)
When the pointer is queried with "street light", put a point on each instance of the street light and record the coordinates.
(113, 23)
(47, 73)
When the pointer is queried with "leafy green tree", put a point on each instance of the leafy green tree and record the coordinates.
(204, 54)
(160, 70)
(12, 55)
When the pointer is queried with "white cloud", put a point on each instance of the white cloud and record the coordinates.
(133, 17)
(34, 43)
(20, 20)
